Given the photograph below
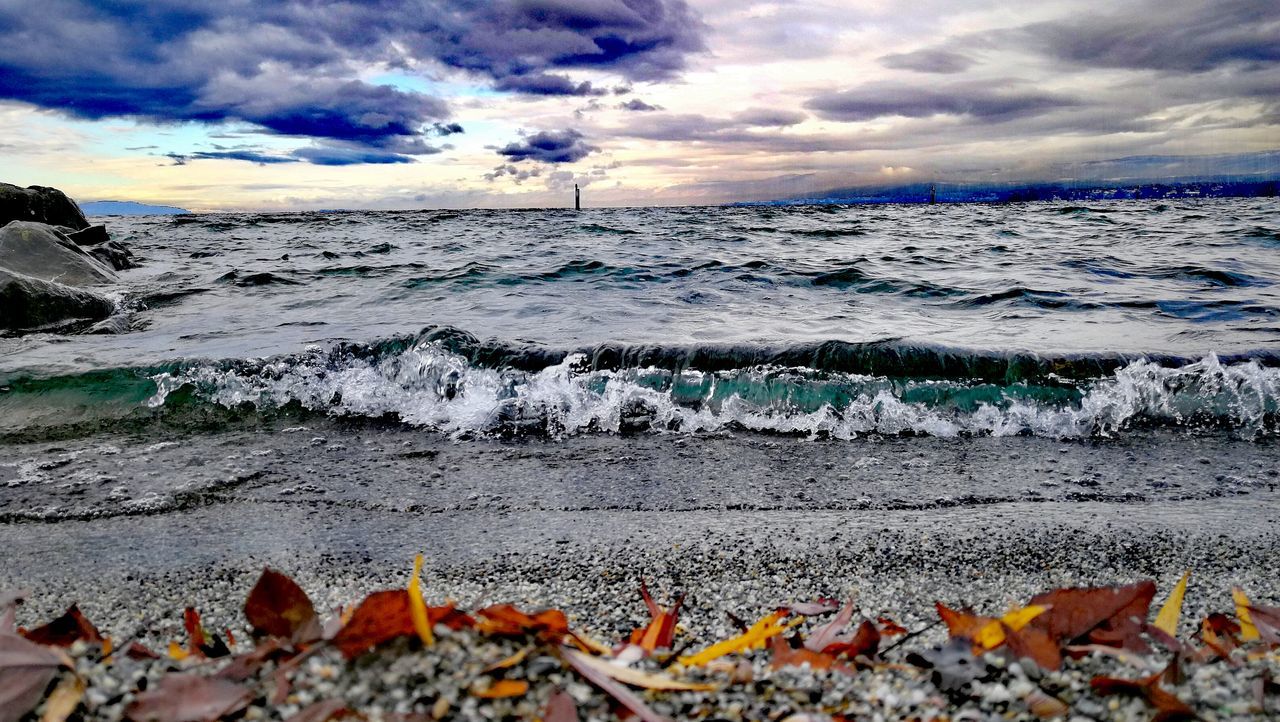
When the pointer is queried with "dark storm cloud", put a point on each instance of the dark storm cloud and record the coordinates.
(877, 100)
(329, 155)
(563, 146)
(447, 128)
(290, 67)
(1185, 37)
(546, 84)
(929, 60)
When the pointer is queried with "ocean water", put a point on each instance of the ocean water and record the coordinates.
(1043, 319)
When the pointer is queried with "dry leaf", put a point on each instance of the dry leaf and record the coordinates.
(660, 631)
(756, 635)
(1248, 632)
(321, 711)
(560, 708)
(1171, 611)
(624, 696)
(503, 688)
(66, 630)
(188, 698)
(418, 607)
(380, 618)
(550, 625)
(278, 607)
(632, 676)
(1107, 615)
(64, 699)
(26, 668)
(1168, 707)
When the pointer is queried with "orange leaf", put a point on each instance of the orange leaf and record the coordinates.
(506, 620)
(380, 618)
(961, 624)
(278, 607)
(1033, 643)
(660, 631)
(1168, 707)
(503, 688)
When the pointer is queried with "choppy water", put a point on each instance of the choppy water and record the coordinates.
(1048, 319)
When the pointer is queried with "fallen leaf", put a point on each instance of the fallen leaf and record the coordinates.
(1218, 632)
(560, 708)
(624, 696)
(550, 625)
(632, 676)
(418, 607)
(509, 662)
(26, 668)
(64, 699)
(380, 618)
(1105, 615)
(961, 624)
(321, 711)
(815, 608)
(195, 632)
(756, 635)
(1171, 611)
(1248, 632)
(1045, 705)
(863, 643)
(1267, 622)
(1035, 644)
(824, 635)
(503, 688)
(137, 650)
(660, 631)
(784, 655)
(992, 634)
(188, 698)
(890, 628)
(278, 607)
(66, 630)
(1168, 707)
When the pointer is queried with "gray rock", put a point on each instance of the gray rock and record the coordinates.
(39, 204)
(30, 304)
(40, 251)
(114, 254)
(91, 236)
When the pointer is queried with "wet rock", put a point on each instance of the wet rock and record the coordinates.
(29, 304)
(114, 254)
(91, 236)
(40, 251)
(41, 205)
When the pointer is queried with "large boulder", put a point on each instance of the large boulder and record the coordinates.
(43, 252)
(39, 204)
(33, 304)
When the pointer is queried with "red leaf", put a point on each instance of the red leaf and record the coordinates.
(66, 630)
(506, 620)
(195, 632)
(188, 698)
(380, 618)
(660, 631)
(278, 607)
(865, 642)
(137, 650)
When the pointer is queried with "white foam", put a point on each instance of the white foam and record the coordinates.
(430, 387)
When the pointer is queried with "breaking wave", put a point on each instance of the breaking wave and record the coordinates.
(446, 381)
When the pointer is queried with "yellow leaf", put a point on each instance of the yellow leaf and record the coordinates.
(177, 652)
(992, 634)
(418, 607)
(636, 677)
(759, 632)
(1248, 632)
(64, 699)
(503, 688)
(1167, 619)
(511, 661)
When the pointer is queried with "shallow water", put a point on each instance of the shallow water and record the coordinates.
(1045, 319)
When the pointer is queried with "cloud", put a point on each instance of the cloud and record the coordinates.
(883, 99)
(546, 84)
(1168, 37)
(331, 155)
(639, 106)
(929, 60)
(769, 117)
(517, 175)
(563, 146)
(292, 67)
(447, 128)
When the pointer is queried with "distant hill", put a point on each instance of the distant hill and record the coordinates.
(128, 208)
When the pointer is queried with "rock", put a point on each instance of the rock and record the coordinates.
(114, 254)
(30, 304)
(91, 236)
(40, 251)
(39, 204)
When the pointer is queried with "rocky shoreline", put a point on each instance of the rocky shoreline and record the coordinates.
(56, 269)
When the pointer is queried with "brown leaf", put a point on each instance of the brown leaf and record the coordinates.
(624, 696)
(660, 631)
(784, 655)
(66, 630)
(1035, 644)
(137, 650)
(278, 607)
(961, 624)
(560, 708)
(380, 618)
(322, 711)
(863, 643)
(188, 698)
(1168, 707)
(26, 668)
(1115, 613)
(195, 632)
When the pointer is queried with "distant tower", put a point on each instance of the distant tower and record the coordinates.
(577, 198)
(933, 193)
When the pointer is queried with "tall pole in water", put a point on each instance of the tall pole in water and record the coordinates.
(933, 193)
(577, 198)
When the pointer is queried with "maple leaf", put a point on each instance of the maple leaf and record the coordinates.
(278, 607)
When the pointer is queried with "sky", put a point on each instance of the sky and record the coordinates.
(307, 104)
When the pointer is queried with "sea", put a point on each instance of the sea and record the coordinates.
(1044, 319)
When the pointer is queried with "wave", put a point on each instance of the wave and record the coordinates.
(448, 381)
